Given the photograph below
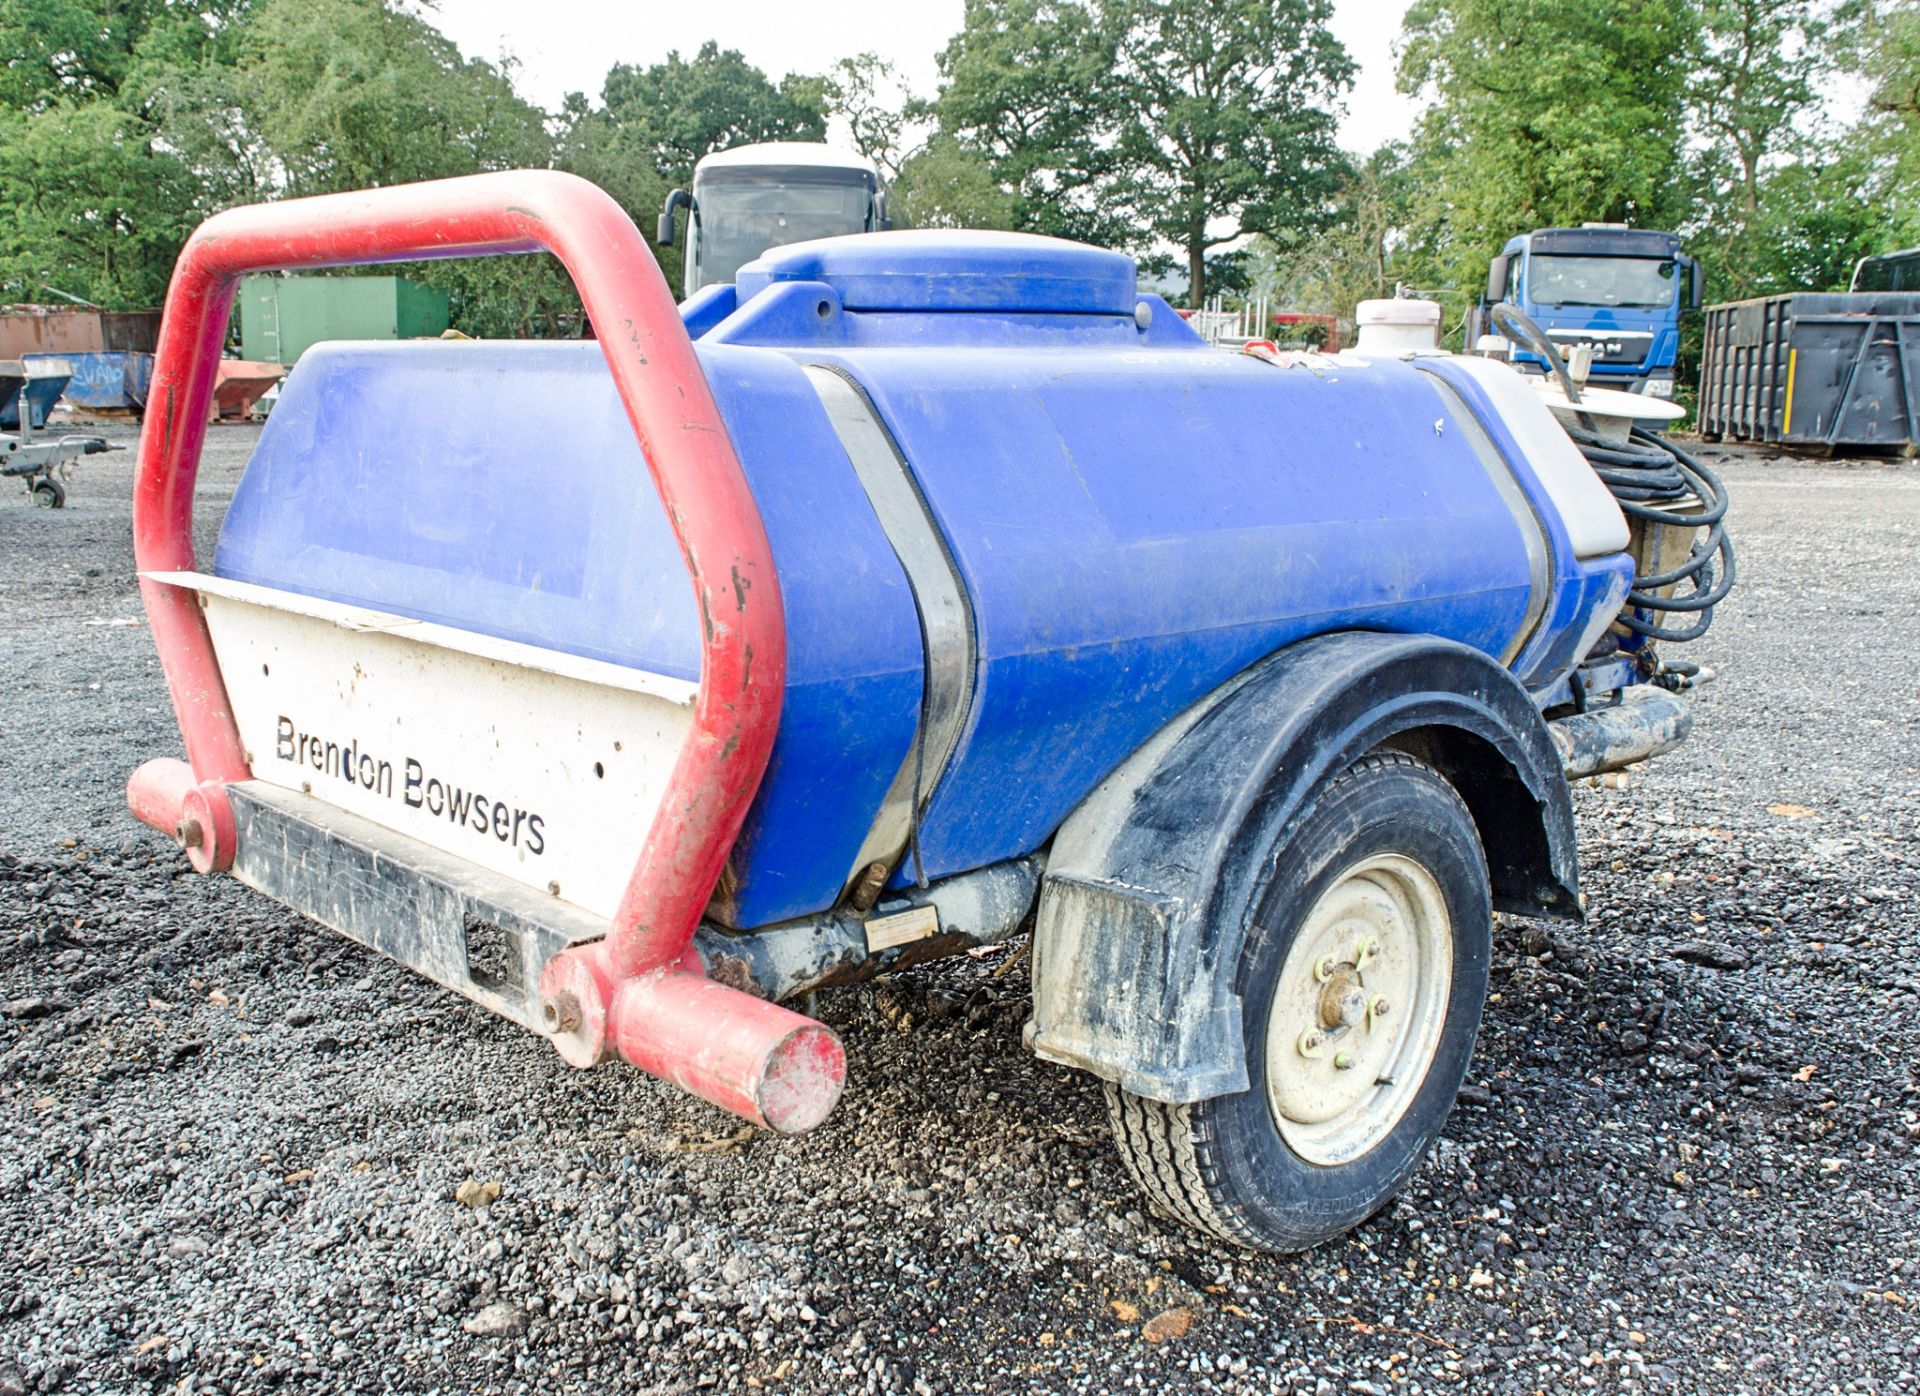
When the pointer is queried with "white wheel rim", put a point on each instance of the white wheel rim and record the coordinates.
(1358, 1010)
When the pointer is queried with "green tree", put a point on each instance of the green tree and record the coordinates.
(1756, 87)
(350, 94)
(80, 51)
(326, 95)
(1818, 216)
(618, 159)
(1028, 86)
(865, 92)
(1226, 120)
(91, 209)
(654, 124)
(933, 181)
(1888, 54)
(677, 111)
(1357, 256)
(943, 185)
(96, 202)
(1543, 113)
(132, 120)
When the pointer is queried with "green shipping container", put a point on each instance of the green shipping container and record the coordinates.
(280, 316)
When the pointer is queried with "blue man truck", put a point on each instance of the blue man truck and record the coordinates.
(1619, 289)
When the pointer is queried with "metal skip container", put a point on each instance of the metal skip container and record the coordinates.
(281, 317)
(111, 381)
(1814, 369)
(46, 377)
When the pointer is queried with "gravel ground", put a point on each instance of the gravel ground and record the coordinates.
(238, 1153)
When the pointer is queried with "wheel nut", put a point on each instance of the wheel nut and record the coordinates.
(1343, 1061)
(1310, 1044)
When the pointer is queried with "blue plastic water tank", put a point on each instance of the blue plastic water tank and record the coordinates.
(1138, 516)
(497, 487)
(1135, 517)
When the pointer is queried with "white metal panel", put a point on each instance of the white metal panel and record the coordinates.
(514, 652)
(548, 775)
(1594, 521)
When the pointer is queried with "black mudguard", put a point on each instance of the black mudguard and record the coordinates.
(1149, 883)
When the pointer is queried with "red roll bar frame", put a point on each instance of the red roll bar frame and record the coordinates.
(688, 452)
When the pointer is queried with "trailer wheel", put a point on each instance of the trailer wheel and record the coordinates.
(1361, 982)
(49, 494)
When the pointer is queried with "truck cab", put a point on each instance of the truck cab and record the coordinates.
(755, 197)
(1619, 289)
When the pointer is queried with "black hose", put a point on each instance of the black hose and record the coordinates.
(1510, 318)
(1646, 473)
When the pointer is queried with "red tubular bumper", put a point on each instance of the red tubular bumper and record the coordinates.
(763, 1062)
(643, 1008)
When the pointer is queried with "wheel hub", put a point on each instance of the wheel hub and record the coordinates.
(1343, 1000)
(1344, 1057)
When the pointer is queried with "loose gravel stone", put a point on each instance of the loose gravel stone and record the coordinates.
(1710, 954)
(229, 1162)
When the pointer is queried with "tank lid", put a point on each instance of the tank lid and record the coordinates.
(1397, 311)
(937, 269)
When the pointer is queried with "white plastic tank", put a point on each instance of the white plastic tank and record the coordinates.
(1392, 328)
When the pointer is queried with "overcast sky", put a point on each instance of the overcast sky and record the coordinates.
(566, 46)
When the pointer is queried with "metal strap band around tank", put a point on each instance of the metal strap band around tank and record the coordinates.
(940, 597)
(1533, 532)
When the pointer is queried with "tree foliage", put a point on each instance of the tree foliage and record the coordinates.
(677, 111)
(1356, 256)
(350, 94)
(1888, 50)
(945, 185)
(935, 181)
(865, 94)
(1225, 121)
(1027, 85)
(1151, 123)
(95, 206)
(1757, 77)
(1190, 131)
(57, 234)
(126, 122)
(1542, 113)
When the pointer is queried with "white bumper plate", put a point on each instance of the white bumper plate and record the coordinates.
(541, 766)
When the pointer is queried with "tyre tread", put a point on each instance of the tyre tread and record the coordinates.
(1168, 1148)
(1157, 1143)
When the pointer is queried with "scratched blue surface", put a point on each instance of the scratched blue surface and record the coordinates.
(1136, 518)
(497, 487)
(1136, 527)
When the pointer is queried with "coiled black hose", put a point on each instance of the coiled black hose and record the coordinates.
(1648, 475)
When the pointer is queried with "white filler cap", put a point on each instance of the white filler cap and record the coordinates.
(1395, 327)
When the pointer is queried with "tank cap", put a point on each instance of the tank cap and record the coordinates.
(938, 269)
(1396, 327)
(1397, 312)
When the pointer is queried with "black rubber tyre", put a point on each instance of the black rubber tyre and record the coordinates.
(49, 494)
(1222, 1165)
